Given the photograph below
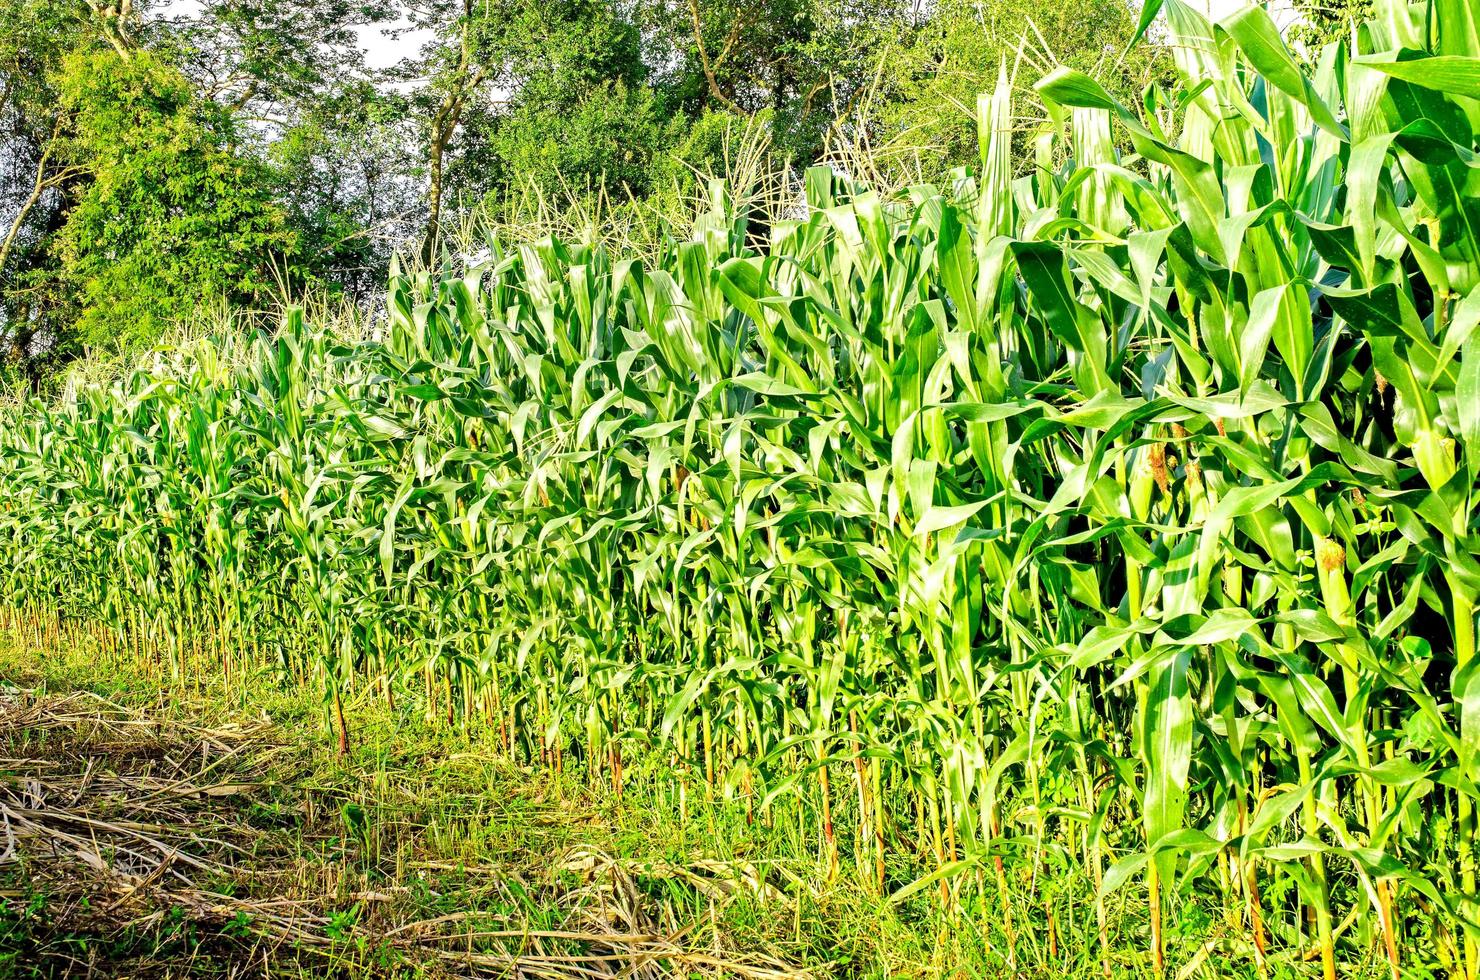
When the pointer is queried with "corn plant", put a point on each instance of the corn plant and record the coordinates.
(1118, 517)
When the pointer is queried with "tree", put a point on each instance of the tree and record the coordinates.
(293, 76)
(519, 92)
(171, 217)
(804, 61)
(447, 79)
(923, 102)
(594, 98)
(1323, 21)
(269, 58)
(248, 120)
(344, 166)
(585, 116)
(34, 175)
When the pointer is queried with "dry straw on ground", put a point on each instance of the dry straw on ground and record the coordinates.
(128, 820)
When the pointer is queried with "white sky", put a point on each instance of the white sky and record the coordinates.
(382, 51)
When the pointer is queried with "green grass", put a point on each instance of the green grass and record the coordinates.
(438, 814)
(438, 820)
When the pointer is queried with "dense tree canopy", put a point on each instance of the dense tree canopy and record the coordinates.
(156, 159)
(157, 166)
(170, 218)
(924, 96)
(1324, 21)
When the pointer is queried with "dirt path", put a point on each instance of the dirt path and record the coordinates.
(143, 844)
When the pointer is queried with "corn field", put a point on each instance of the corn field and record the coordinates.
(1120, 515)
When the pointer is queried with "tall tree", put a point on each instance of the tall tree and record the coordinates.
(35, 172)
(346, 166)
(922, 101)
(269, 58)
(172, 218)
(447, 80)
(585, 116)
(513, 89)
(210, 150)
(804, 61)
(293, 75)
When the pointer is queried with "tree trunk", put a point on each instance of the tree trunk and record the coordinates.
(38, 187)
(436, 154)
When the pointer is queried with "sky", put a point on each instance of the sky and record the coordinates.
(382, 51)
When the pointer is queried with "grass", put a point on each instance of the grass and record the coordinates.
(427, 823)
(424, 832)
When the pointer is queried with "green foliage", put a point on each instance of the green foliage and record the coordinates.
(36, 36)
(341, 174)
(584, 117)
(608, 138)
(923, 102)
(1114, 518)
(164, 161)
(1323, 22)
(807, 62)
(171, 218)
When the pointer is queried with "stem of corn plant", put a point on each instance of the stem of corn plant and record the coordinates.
(1469, 827)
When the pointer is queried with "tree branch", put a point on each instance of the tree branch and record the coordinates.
(38, 187)
(704, 62)
(248, 94)
(113, 17)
